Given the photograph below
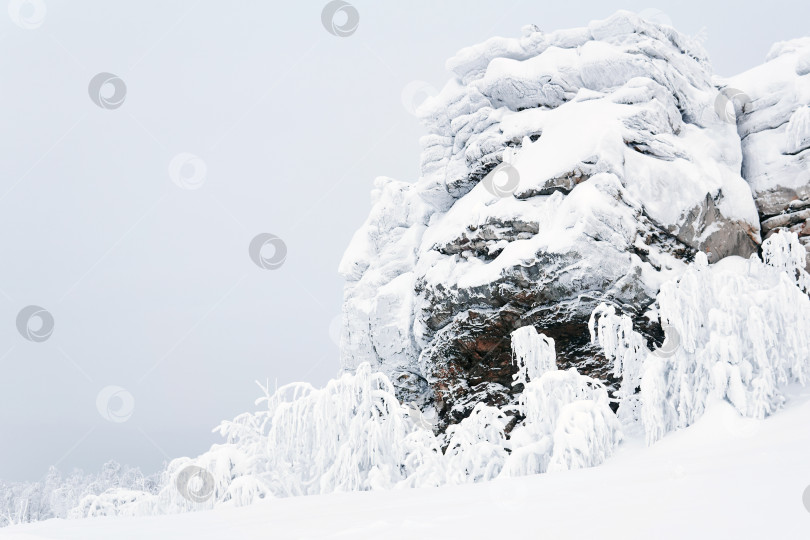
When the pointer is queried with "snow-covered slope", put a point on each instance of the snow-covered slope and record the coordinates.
(724, 477)
(561, 170)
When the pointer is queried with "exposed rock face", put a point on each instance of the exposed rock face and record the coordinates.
(615, 170)
(775, 133)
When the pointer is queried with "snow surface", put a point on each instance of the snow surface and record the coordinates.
(723, 477)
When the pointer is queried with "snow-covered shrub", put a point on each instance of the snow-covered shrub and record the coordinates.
(353, 434)
(115, 502)
(626, 349)
(568, 421)
(331, 439)
(207, 480)
(477, 446)
(350, 435)
(586, 434)
(63, 496)
(424, 464)
(743, 334)
(245, 490)
(533, 354)
(784, 252)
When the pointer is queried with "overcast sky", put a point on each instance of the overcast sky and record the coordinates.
(150, 284)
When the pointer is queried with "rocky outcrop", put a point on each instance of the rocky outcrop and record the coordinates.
(561, 170)
(775, 131)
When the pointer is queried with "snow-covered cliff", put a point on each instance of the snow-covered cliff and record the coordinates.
(775, 133)
(562, 170)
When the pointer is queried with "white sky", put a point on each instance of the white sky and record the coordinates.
(150, 285)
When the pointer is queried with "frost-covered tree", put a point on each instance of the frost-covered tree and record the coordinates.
(533, 354)
(742, 328)
(586, 434)
(353, 434)
(784, 252)
(60, 496)
(568, 421)
(477, 446)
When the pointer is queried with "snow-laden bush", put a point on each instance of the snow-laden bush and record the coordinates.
(477, 446)
(115, 502)
(533, 354)
(784, 252)
(568, 421)
(586, 434)
(331, 439)
(742, 329)
(63, 496)
(353, 434)
(424, 464)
